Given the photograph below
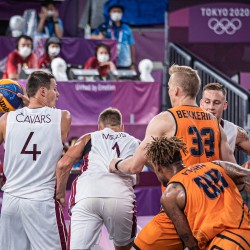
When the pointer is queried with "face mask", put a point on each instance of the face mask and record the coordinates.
(54, 51)
(50, 13)
(103, 57)
(115, 16)
(24, 51)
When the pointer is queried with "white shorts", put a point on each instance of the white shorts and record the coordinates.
(27, 224)
(88, 216)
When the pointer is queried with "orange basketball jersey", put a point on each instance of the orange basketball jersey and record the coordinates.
(213, 202)
(200, 131)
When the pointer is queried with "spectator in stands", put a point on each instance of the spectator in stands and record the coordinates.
(21, 57)
(101, 61)
(49, 23)
(116, 29)
(52, 50)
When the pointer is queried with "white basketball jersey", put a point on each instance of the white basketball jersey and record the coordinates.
(33, 145)
(231, 130)
(96, 180)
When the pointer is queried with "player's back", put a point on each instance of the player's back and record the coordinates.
(33, 145)
(95, 179)
(200, 131)
(213, 202)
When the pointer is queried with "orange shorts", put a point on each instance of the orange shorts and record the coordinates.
(231, 239)
(158, 234)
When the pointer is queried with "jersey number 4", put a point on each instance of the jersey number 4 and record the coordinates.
(197, 140)
(34, 152)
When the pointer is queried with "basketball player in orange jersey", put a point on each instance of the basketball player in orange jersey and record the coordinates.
(202, 200)
(206, 141)
(31, 217)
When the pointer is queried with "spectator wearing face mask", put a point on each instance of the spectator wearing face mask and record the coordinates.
(116, 29)
(49, 23)
(52, 50)
(101, 61)
(21, 57)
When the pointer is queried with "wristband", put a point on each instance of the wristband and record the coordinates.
(116, 165)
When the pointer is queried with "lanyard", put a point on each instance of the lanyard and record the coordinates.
(113, 33)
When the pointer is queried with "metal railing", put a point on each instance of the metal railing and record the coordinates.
(238, 110)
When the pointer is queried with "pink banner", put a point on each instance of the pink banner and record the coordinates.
(219, 22)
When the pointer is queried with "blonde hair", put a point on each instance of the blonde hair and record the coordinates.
(188, 79)
(215, 86)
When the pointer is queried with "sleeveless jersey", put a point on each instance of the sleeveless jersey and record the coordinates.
(33, 145)
(95, 179)
(231, 130)
(213, 202)
(200, 131)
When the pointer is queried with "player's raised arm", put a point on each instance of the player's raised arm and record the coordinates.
(65, 164)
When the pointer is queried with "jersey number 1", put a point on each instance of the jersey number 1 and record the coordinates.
(116, 147)
(34, 152)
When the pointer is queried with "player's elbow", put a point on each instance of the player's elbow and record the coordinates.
(62, 167)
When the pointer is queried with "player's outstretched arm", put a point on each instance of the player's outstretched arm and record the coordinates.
(226, 153)
(173, 202)
(63, 168)
(160, 125)
(239, 174)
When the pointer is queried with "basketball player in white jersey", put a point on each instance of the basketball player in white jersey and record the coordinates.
(31, 217)
(214, 101)
(97, 196)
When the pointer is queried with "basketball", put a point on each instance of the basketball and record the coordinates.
(10, 100)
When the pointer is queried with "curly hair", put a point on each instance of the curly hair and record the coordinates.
(165, 151)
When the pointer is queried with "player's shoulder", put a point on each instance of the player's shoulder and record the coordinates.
(66, 114)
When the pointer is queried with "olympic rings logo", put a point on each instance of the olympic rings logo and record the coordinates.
(224, 25)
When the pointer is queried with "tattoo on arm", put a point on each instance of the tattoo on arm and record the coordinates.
(242, 136)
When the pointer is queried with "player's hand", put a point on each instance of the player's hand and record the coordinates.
(24, 96)
(62, 201)
(25, 99)
(112, 168)
(246, 165)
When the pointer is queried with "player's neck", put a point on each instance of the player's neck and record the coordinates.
(36, 103)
